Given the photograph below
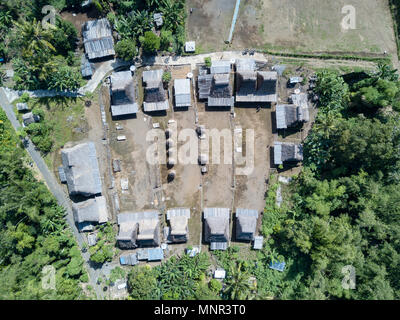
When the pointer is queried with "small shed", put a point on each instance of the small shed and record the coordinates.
(190, 46)
(86, 67)
(158, 19)
(143, 254)
(155, 254)
(258, 242)
(279, 266)
(116, 165)
(193, 251)
(219, 273)
(295, 80)
(130, 259)
(29, 118)
(22, 106)
(182, 93)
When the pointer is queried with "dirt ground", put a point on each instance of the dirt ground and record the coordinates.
(302, 25)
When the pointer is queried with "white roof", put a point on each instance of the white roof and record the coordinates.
(219, 274)
(182, 92)
(190, 46)
(220, 66)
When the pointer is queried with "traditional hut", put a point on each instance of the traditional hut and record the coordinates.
(216, 227)
(97, 39)
(123, 95)
(155, 96)
(90, 212)
(178, 221)
(287, 152)
(246, 224)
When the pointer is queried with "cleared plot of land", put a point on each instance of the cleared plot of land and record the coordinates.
(301, 25)
(251, 188)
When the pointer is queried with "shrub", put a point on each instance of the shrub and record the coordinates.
(150, 42)
(207, 61)
(126, 49)
(166, 77)
(215, 285)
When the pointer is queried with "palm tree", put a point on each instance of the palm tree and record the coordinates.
(173, 13)
(238, 284)
(34, 39)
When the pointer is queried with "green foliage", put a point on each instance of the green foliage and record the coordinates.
(150, 42)
(166, 77)
(207, 61)
(2, 77)
(126, 49)
(65, 37)
(34, 232)
(215, 285)
(142, 283)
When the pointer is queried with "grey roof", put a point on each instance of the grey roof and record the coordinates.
(29, 118)
(93, 210)
(258, 242)
(260, 86)
(287, 115)
(204, 83)
(218, 246)
(158, 19)
(246, 223)
(155, 98)
(123, 96)
(144, 224)
(243, 65)
(300, 100)
(220, 66)
(287, 152)
(22, 106)
(61, 174)
(183, 97)
(221, 91)
(129, 259)
(86, 67)
(295, 79)
(92, 239)
(81, 169)
(178, 220)
(155, 254)
(97, 39)
(152, 75)
(216, 224)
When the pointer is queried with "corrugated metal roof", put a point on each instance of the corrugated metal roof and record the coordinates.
(258, 242)
(155, 106)
(277, 153)
(81, 169)
(177, 212)
(279, 266)
(182, 93)
(218, 246)
(97, 38)
(220, 66)
(245, 65)
(217, 212)
(155, 254)
(124, 109)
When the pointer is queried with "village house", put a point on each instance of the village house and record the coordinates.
(287, 152)
(138, 229)
(290, 115)
(123, 94)
(178, 221)
(155, 95)
(97, 39)
(246, 224)
(90, 212)
(216, 227)
(183, 96)
(255, 86)
(82, 170)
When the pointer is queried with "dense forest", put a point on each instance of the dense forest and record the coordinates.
(33, 231)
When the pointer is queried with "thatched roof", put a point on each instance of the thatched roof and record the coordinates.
(91, 210)
(178, 220)
(182, 93)
(216, 226)
(260, 86)
(82, 170)
(301, 100)
(139, 228)
(221, 91)
(97, 39)
(287, 152)
(287, 115)
(246, 223)
(204, 83)
(123, 95)
(155, 98)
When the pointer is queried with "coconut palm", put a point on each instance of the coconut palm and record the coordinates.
(34, 38)
(238, 284)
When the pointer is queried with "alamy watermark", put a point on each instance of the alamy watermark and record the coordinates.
(189, 146)
(349, 20)
(50, 16)
(48, 278)
(349, 279)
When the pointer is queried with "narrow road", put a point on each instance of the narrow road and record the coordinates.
(57, 191)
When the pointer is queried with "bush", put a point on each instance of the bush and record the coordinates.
(215, 285)
(25, 97)
(126, 49)
(207, 61)
(166, 40)
(65, 37)
(150, 42)
(166, 77)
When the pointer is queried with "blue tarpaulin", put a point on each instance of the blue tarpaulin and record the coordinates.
(155, 254)
(279, 266)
